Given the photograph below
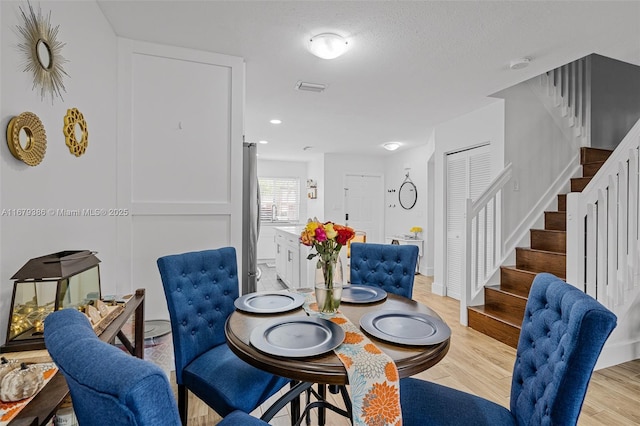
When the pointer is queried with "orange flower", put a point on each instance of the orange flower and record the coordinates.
(347, 361)
(352, 338)
(371, 348)
(391, 372)
(339, 320)
(50, 372)
(381, 406)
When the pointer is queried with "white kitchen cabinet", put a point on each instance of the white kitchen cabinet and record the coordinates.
(280, 255)
(292, 266)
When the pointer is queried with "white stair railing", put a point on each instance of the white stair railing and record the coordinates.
(603, 242)
(483, 241)
(569, 88)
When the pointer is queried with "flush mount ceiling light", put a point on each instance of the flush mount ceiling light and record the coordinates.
(519, 63)
(275, 121)
(391, 146)
(263, 142)
(327, 45)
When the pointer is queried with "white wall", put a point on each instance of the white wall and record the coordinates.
(288, 169)
(399, 220)
(478, 127)
(61, 181)
(538, 150)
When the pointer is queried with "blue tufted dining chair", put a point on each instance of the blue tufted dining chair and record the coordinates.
(563, 332)
(200, 288)
(107, 385)
(388, 266)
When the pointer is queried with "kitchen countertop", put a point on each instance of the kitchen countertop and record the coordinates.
(291, 229)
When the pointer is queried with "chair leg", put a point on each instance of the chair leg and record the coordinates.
(183, 398)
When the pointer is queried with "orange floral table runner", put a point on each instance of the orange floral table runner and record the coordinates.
(9, 410)
(373, 376)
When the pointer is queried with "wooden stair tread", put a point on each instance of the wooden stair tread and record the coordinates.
(549, 230)
(590, 155)
(514, 292)
(497, 315)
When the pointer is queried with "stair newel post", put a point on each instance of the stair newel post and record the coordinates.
(468, 265)
(575, 240)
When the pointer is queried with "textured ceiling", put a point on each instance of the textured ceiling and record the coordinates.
(410, 64)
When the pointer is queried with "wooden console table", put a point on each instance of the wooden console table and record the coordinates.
(42, 408)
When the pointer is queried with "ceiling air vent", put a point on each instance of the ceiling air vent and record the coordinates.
(310, 87)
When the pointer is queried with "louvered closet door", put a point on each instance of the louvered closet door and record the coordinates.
(468, 174)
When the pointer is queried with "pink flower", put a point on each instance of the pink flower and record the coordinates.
(321, 235)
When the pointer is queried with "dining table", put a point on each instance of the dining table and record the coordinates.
(326, 368)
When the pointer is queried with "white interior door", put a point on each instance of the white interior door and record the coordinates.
(364, 204)
(468, 174)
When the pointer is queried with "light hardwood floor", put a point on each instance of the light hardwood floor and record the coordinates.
(481, 365)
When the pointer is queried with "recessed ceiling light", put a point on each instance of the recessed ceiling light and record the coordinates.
(391, 146)
(327, 45)
(275, 121)
(263, 142)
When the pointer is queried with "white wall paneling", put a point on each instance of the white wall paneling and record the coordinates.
(179, 158)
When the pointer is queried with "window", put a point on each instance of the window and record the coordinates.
(280, 199)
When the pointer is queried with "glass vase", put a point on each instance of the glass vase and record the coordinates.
(328, 286)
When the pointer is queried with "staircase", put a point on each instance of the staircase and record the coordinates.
(501, 315)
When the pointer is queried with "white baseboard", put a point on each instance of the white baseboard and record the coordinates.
(618, 354)
(438, 288)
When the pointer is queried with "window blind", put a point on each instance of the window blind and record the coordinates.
(280, 199)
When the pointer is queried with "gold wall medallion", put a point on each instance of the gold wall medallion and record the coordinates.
(26, 138)
(75, 132)
(42, 52)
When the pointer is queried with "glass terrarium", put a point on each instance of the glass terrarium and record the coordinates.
(67, 279)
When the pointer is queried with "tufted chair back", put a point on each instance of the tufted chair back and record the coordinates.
(107, 385)
(563, 332)
(200, 288)
(388, 266)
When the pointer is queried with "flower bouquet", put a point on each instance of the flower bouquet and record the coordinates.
(327, 239)
(416, 230)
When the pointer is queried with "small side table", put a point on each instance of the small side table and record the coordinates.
(43, 406)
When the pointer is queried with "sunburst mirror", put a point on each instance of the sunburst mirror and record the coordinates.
(75, 132)
(41, 50)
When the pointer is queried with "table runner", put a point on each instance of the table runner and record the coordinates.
(9, 410)
(373, 376)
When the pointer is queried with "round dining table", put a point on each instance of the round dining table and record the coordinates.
(327, 368)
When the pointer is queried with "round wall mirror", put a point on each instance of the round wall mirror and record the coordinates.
(408, 195)
(75, 132)
(24, 138)
(43, 52)
(79, 133)
(27, 138)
